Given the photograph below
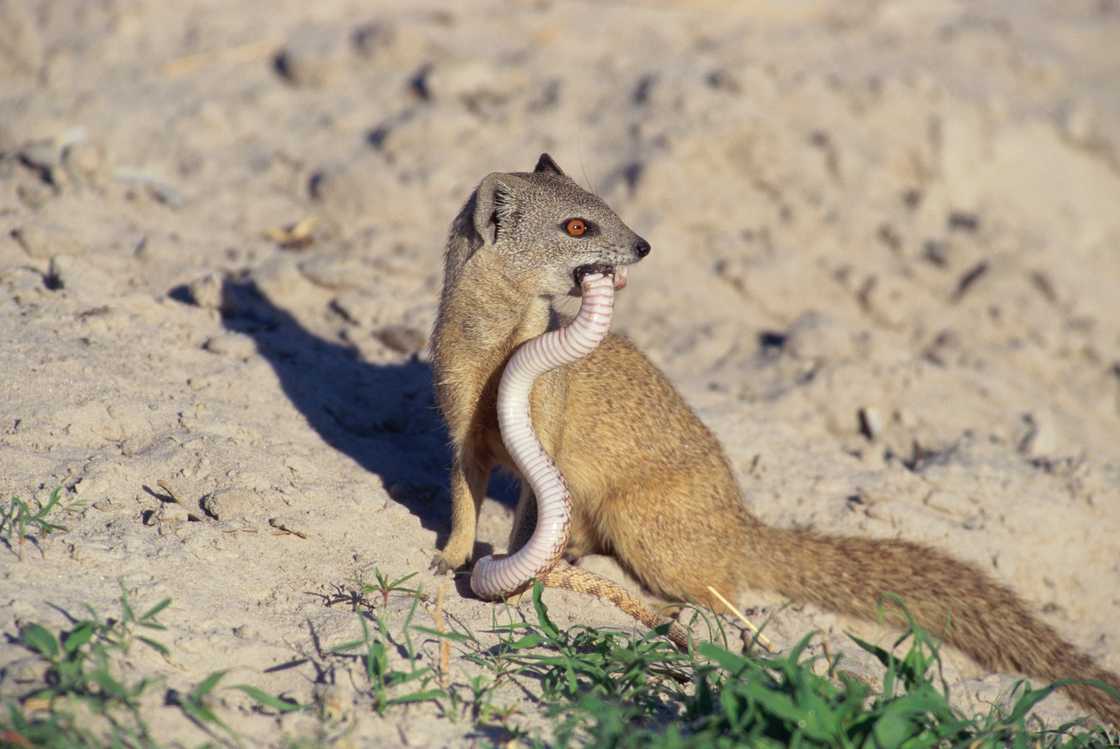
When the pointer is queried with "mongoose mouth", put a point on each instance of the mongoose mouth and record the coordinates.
(618, 272)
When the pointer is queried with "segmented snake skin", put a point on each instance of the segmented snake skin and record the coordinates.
(497, 578)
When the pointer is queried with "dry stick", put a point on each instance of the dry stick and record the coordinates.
(761, 638)
(444, 644)
(166, 486)
(827, 655)
(295, 236)
(283, 529)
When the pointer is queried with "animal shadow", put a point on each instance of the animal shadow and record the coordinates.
(382, 416)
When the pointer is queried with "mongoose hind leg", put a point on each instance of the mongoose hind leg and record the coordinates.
(678, 554)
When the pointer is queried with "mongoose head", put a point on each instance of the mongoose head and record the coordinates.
(549, 231)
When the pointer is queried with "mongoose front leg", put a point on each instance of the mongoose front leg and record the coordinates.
(468, 488)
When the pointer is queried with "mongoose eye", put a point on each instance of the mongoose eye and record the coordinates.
(576, 227)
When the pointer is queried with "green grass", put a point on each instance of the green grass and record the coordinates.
(84, 680)
(17, 519)
(607, 689)
(388, 685)
(86, 699)
(538, 685)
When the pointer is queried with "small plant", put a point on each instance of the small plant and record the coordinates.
(355, 594)
(17, 518)
(84, 677)
(195, 704)
(383, 678)
(386, 587)
(87, 701)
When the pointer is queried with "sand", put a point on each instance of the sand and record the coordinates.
(886, 255)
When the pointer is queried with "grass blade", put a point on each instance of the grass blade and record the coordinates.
(79, 636)
(279, 704)
(207, 685)
(550, 630)
(431, 695)
(40, 640)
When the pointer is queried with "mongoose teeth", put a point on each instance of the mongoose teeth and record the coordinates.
(594, 268)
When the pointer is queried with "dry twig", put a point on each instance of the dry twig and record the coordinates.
(444, 644)
(761, 638)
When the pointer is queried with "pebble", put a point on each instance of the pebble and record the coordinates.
(169, 513)
(34, 195)
(936, 252)
(80, 276)
(311, 58)
(334, 271)
(906, 418)
(206, 292)
(1039, 437)
(883, 299)
(341, 190)
(46, 240)
(19, 281)
(45, 159)
(474, 81)
(870, 422)
(154, 186)
(336, 701)
(963, 221)
(226, 504)
(279, 278)
(247, 632)
(357, 308)
(403, 339)
(98, 484)
(84, 161)
(237, 345)
(814, 335)
(1078, 123)
(370, 39)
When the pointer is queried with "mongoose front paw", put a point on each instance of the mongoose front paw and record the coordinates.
(441, 565)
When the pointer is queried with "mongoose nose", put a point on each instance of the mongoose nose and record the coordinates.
(642, 247)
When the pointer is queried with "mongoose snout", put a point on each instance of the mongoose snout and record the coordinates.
(641, 247)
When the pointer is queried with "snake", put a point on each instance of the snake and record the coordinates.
(496, 578)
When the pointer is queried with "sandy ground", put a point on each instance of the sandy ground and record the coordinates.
(885, 271)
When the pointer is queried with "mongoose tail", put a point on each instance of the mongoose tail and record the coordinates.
(955, 601)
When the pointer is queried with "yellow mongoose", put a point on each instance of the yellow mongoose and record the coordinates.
(650, 484)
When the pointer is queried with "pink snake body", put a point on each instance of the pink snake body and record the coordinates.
(496, 578)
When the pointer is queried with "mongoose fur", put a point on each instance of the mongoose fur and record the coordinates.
(650, 483)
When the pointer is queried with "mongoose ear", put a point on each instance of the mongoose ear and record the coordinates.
(545, 165)
(493, 204)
